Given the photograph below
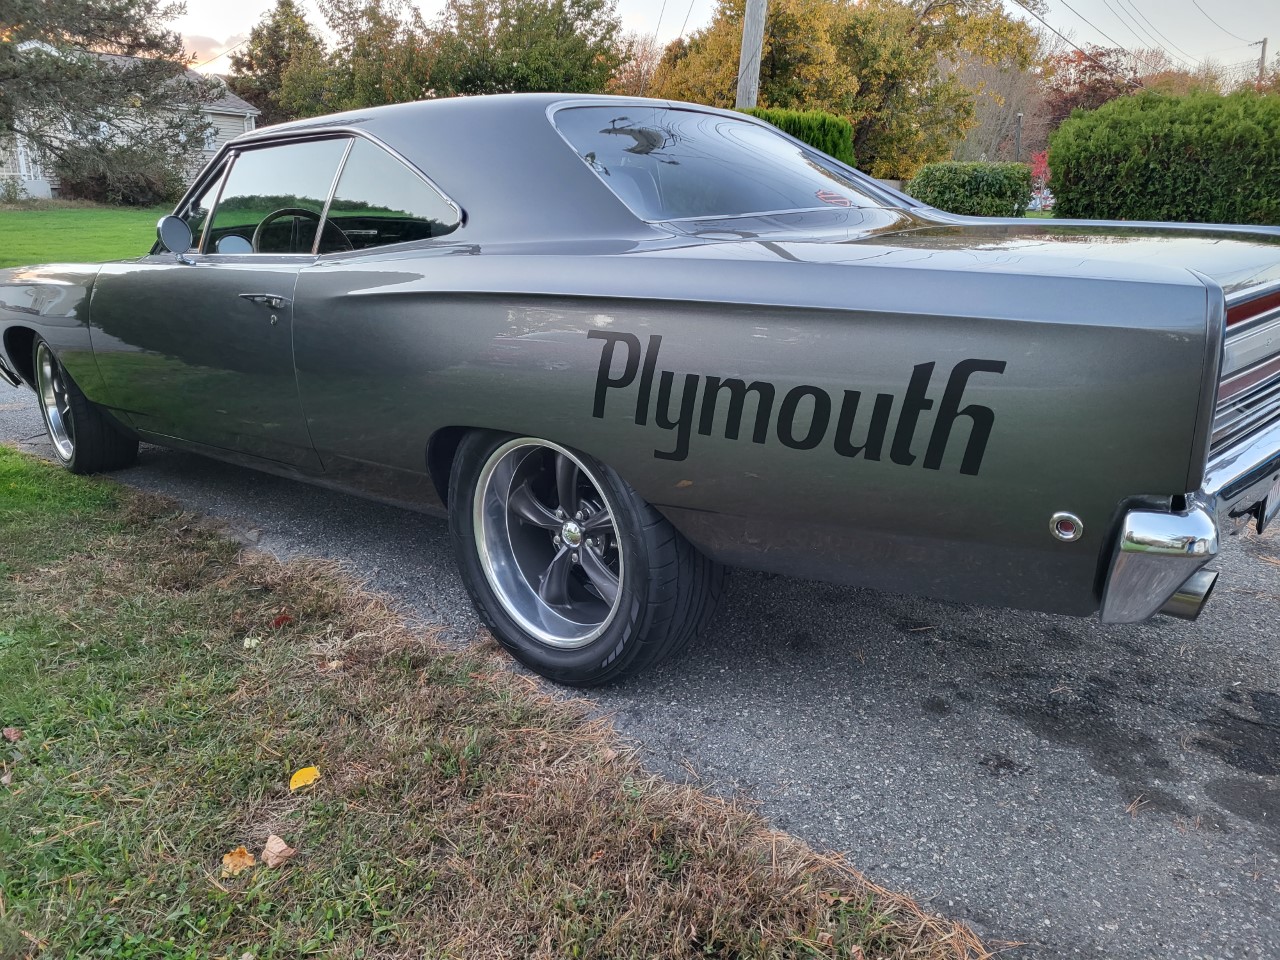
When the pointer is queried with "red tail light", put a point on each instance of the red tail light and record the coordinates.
(1241, 312)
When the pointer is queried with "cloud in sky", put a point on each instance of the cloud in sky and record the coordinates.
(206, 49)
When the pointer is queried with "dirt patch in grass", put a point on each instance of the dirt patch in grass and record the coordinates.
(165, 685)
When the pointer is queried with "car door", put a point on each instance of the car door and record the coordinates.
(200, 347)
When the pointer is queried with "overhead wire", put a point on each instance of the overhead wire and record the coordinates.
(222, 54)
(686, 17)
(661, 13)
(1138, 11)
(1072, 44)
(1115, 43)
(1141, 33)
(1217, 24)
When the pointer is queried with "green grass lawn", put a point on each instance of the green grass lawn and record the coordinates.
(76, 233)
(159, 687)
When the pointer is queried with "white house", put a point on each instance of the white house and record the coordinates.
(228, 116)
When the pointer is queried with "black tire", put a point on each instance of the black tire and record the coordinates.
(85, 438)
(667, 591)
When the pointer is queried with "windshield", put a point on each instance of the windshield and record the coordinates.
(673, 164)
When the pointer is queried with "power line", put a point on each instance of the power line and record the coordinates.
(686, 17)
(1138, 11)
(1069, 42)
(1123, 49)
(1146, 37)
(660, 15)
(1217, 24)
(222, 54)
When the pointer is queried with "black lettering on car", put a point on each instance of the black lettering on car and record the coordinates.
(803, 416)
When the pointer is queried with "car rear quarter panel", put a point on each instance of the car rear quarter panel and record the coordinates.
(1096, 401)
(51, 301)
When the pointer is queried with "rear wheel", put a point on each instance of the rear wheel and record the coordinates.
(85, 439)
(580, 579)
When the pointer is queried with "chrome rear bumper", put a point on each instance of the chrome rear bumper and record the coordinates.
(1155, 566)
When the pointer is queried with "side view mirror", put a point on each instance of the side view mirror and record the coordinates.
(175, 236)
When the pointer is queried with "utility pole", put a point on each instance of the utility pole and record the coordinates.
(1017, 141)
(749, 57)
(1262, 63)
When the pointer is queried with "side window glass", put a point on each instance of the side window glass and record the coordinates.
(380, 201)
(274, 198)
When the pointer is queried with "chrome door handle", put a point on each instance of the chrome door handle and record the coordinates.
(272, 300)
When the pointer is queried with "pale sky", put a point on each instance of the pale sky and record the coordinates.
(1188, 34)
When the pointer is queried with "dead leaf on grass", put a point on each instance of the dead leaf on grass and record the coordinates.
(7, 779)
(276, 853)
(12, 734)
(281, 621)
(304, 778)
(236, 862)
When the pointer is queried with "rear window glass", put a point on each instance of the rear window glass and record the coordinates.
(673, 164)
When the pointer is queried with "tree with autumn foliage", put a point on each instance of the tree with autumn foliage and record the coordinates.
(879, 63)
(1085, 79)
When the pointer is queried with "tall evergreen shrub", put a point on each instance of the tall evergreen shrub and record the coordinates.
(824, 131)
(1201, 157)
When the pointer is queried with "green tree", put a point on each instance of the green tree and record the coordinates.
(102, 74)
(879, 63)
(382, 55)
(280, 37)
(499, 46)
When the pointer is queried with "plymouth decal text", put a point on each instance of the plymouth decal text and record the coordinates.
(800, 431)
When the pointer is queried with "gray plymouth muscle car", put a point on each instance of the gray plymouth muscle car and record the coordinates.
(625, 342)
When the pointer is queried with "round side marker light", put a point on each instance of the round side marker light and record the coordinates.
(1066, 527)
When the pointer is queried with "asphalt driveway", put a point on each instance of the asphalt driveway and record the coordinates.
(1090, 790)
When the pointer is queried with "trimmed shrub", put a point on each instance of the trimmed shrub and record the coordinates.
(1202, 157)
(975, 189)
(128, 176)
(824, 131)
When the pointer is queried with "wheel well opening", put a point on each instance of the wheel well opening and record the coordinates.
(19, 342)
(441, 449)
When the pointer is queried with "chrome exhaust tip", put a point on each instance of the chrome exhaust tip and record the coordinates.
(1190, 598)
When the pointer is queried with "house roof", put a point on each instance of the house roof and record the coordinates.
(227, 103)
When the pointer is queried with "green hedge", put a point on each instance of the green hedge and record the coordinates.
(975, 189)
(1201, 157)
(825, 131)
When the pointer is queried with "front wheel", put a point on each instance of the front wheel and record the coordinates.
(85, 439)
(579, 578)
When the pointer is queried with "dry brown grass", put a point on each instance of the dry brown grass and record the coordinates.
(462, 811)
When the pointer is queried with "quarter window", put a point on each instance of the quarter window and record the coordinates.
(274, 198)
(380, 201)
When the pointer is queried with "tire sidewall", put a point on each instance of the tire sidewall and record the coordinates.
(72, 412)
(620, 642)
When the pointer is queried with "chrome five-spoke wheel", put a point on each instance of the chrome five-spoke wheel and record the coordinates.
(576, 575)
(547, 542)
(55, 403)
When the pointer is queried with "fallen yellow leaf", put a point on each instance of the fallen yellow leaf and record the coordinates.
(276, 852)
(236, 862)
(304, 778)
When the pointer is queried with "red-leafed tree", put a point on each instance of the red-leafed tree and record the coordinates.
(1040, 167)
(1087, 78)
